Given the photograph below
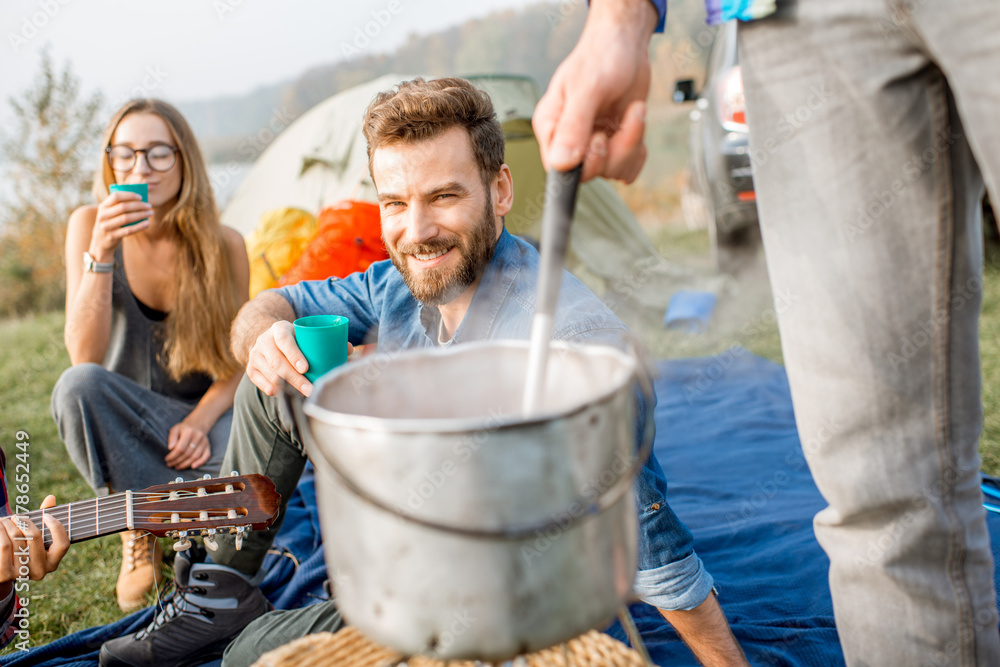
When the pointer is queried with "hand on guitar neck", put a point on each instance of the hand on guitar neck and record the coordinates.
(22, 546)
(226, 505)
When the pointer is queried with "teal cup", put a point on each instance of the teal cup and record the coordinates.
(138, 188)
(323, 342)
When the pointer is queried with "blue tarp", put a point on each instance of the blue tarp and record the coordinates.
(726, 439)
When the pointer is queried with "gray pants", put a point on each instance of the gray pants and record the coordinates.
(116, 430)
(264, 440)
(872, 124)
(277, 628)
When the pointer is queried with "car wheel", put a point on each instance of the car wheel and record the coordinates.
(731, 250)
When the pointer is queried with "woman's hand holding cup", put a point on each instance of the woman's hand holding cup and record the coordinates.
(117, 216)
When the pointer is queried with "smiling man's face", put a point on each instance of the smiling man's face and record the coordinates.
(439, 223)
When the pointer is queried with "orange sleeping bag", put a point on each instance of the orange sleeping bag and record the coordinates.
(348, 239)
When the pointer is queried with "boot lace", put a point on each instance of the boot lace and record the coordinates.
(175, 603)
(139, 548)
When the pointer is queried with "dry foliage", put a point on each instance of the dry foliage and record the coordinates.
(50, 154)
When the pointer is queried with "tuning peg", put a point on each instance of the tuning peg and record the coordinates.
(207, 476)
(210, 542)
(184, 543)
(239, 537)
(178, 480)
(234, 474)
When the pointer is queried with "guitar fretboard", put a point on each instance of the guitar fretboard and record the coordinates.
(86, 519)
(202, 506)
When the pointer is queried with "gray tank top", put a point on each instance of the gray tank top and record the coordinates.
(136, 345)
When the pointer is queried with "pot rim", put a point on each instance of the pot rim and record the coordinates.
(329, 417)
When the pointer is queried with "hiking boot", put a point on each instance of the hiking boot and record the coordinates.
(142, 557)
(209, 606)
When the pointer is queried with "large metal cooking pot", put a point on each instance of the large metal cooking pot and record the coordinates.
(452, 526)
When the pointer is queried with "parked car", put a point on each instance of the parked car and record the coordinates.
(721, 177)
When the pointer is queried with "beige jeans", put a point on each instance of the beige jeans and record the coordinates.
(872, 125)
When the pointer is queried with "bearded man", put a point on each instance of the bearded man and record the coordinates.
(435, 153)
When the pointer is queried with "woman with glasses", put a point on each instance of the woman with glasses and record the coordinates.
(151, 291)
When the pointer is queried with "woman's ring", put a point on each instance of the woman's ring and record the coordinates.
(191, 445)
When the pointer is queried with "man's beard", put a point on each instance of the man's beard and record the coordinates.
(440, 285)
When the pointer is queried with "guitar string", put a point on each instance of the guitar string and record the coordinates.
(214, 515)
(91, 512)
(90, 515)
(112, 501)
(89, 528)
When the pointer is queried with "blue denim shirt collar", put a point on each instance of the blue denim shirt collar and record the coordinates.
(494, 285)
(380, 305)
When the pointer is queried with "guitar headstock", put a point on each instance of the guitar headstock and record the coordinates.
(235, 504)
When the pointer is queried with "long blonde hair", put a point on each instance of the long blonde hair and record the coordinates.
(206, 299)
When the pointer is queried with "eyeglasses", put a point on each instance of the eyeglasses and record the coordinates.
(159, 157)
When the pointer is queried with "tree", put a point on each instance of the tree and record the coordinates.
(50, 156)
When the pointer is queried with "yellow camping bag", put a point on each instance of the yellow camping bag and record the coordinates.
(276, 245)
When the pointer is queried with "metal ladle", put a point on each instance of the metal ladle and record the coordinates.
(557, 216)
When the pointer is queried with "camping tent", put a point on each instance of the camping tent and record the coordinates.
(321, 158)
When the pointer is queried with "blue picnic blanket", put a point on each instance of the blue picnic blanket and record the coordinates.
(726, 439)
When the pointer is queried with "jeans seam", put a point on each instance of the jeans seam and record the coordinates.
(900, 14)
(941, 366)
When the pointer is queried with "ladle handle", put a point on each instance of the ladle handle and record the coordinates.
(557, 217)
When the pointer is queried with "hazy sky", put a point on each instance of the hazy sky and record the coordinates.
(184, 50)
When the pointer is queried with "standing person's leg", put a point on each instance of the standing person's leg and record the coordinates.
(867, 194)
(964, 39)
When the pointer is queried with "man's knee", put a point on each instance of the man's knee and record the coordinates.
(276, 628)
(247, 396)
(260, 421)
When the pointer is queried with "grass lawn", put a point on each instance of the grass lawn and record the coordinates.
(81, 593)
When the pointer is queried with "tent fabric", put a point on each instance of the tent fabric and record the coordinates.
(322, 158)
(726, 439)
(348, 239)
(276, 244)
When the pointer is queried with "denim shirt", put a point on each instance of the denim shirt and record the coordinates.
(379, 304)
(720, 11)
(381, 307)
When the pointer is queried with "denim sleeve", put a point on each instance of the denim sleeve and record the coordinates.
(357, 297)
(661, 10)
(670, 574)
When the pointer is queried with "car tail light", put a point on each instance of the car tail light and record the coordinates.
(732, 104)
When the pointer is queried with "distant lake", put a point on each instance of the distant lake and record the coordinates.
(226, 178)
